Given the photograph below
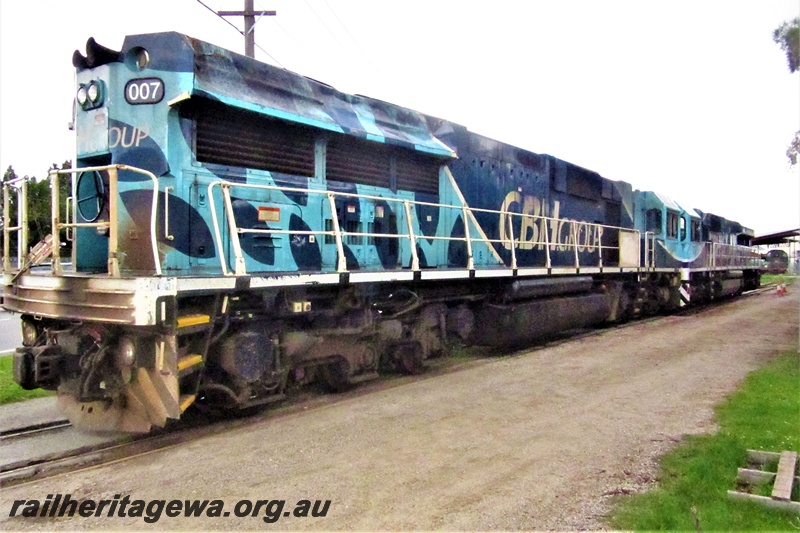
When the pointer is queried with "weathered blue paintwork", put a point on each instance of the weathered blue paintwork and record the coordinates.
(474, 171)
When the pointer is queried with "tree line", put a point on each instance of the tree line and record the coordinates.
(787, 36)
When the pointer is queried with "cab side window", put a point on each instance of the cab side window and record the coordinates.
(695, 236)
(654, 220)
(672, 224)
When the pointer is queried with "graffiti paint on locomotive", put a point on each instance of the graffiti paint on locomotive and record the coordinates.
(529, 233)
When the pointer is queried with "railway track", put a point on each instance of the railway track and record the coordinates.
(82, 452)
(39, 459)
(33, 429)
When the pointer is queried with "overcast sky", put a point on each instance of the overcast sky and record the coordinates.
(690, 98)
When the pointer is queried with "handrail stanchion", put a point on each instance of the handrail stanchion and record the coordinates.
(217, 234)
(574, 234)
(645, 257)
(68, 205)
(6, 231)
(113, 229)
(341, 261)
(548, 264)
(470, 260)
(55, 222)
(23, 242)
(650, 250)
(600, 246)
(638, 249)
(653, 251)
(513, 244)
(239, 266)
(412, 239)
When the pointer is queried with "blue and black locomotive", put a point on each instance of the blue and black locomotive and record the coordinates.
(237, 230)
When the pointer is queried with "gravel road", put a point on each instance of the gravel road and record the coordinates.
(536, 441)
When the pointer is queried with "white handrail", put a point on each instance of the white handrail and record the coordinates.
(22, 222)
(413, 242)
(341, 264)
(338, 234)
(111, 224)
(513, 244)
(55, 218)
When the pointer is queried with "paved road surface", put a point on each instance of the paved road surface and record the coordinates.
(10, 334)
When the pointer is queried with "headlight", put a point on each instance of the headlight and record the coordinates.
(94, 92)
(91, 95)
(126, 352)
(29, 333)
(82, 96)
(142, 58)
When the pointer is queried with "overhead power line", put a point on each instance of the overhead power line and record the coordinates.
(352, 38)
(249, 15)
(325, 25)
(223, 18)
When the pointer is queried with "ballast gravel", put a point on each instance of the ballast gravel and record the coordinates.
(541, 440)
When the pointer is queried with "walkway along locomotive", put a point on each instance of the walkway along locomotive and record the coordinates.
(237, 229)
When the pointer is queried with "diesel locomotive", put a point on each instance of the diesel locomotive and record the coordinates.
(776, 261)
(236, 230)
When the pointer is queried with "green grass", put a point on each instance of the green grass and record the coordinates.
(778, 278)
(11, 392)
(763, 414)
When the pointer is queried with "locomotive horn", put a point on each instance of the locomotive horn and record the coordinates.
(96, 55)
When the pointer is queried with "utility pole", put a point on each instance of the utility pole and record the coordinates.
(249, 15)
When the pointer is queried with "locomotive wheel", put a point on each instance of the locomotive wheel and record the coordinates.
(335, 375)
(409, 358)
(626, 305)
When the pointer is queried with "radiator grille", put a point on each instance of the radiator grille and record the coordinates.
(233, 137)
(357, 161)
(369, 163)
(418, 173)
(229, 136)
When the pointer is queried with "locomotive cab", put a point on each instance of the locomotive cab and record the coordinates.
(673, 232)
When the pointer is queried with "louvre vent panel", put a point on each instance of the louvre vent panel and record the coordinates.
(364, 162)
(418, 174)
(233, 137)
(228, 136)
(356, 161)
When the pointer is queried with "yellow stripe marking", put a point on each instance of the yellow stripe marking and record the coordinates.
(186, 401)
(193, 320)
(189, 360)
